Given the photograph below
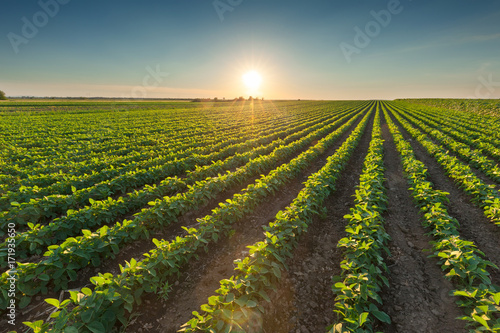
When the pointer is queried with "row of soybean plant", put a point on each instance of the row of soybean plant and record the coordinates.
(35, 240)
(118, 294)
(240, 297)
(462, 262)
(33, 204)
(483, 195)
(62, 262)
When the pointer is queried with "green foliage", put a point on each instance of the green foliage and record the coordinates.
(122, 292)
(237, 305)
(484, 195)
(87, 169)
(64, 260)
(463, 263)
(481, 107)
(363, 268)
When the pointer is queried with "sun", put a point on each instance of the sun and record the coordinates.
(252, 80)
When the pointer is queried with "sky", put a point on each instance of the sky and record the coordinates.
(352, 49)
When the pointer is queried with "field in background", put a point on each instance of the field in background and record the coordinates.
(275, 216)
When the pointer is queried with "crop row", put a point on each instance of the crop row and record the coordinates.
(100, 212)
(238, 301)
(115, 294)
(477, 109)
(190, 153)
(143, 147)
(483, 195)
(53, 205)
(473, 156)
(155, 138)
(58, 137)
(471, 136)
(62, 161)
(70, 133)
(463, 263)
(178, 138)
(63, 130)
(62, 261)
(363, 268)
(480, 124)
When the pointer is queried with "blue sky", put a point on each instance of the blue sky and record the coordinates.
(160, 48)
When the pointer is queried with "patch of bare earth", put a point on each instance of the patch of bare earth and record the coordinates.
(417, 299)
(474, 225)
(304, 301)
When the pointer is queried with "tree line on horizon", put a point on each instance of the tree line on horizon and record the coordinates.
(236, 99)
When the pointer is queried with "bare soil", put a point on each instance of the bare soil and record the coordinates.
(304, 302)
(418, 297)
(474, 225)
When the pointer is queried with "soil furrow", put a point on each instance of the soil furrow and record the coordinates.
(305, 301)
(474, 225)
(478, 172)
(417, 299)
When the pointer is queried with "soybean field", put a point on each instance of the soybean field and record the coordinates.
(253, 216)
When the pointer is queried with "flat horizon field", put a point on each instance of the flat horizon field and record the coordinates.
(254, 216)
(249, 166)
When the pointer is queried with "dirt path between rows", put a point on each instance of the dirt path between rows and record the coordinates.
(202, 277)
(304, 302)
(478, 172)
(474, 225)
(418, 297)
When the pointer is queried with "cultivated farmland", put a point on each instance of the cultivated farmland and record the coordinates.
(263, 216)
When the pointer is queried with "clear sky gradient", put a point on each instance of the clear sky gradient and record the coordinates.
(302, 49)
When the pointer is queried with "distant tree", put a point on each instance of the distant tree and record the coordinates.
(241, 99)
(2, 95)
(250, 98)
(216, 99)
